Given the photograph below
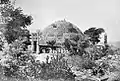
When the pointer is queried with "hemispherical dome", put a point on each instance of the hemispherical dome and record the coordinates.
(59, 30)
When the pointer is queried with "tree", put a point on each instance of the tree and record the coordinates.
(94, 34)
(4, 1)
(16, 22)
(75, 45)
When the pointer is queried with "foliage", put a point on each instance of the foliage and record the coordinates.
(88, 64)
(72, 29)
(4, 1)
(18, 63)
(76, 46)
(16, 60)
(94, 34)
(102, 62)
(57, 68)
(16, 21)
(51, 43)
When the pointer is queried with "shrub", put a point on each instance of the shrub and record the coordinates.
(22, 64)
(88, 64)
(16, 60)
(56, 69)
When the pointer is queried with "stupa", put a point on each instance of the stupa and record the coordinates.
(60, 30)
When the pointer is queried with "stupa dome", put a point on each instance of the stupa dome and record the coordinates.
(60, 30)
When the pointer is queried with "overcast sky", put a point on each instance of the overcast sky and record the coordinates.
(82, 13)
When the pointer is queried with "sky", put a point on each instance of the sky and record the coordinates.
(83, 13)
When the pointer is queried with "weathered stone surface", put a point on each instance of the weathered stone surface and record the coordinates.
(60, 29)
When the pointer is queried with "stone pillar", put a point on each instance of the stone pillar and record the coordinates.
(57, 50)
(32, 43)
(32, 46)
(37, 48)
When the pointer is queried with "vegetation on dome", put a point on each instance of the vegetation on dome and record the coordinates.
(58, 31)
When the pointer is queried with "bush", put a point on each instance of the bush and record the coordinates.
(88, 64)
(16, 60)
(56, 69)
(22, 64)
